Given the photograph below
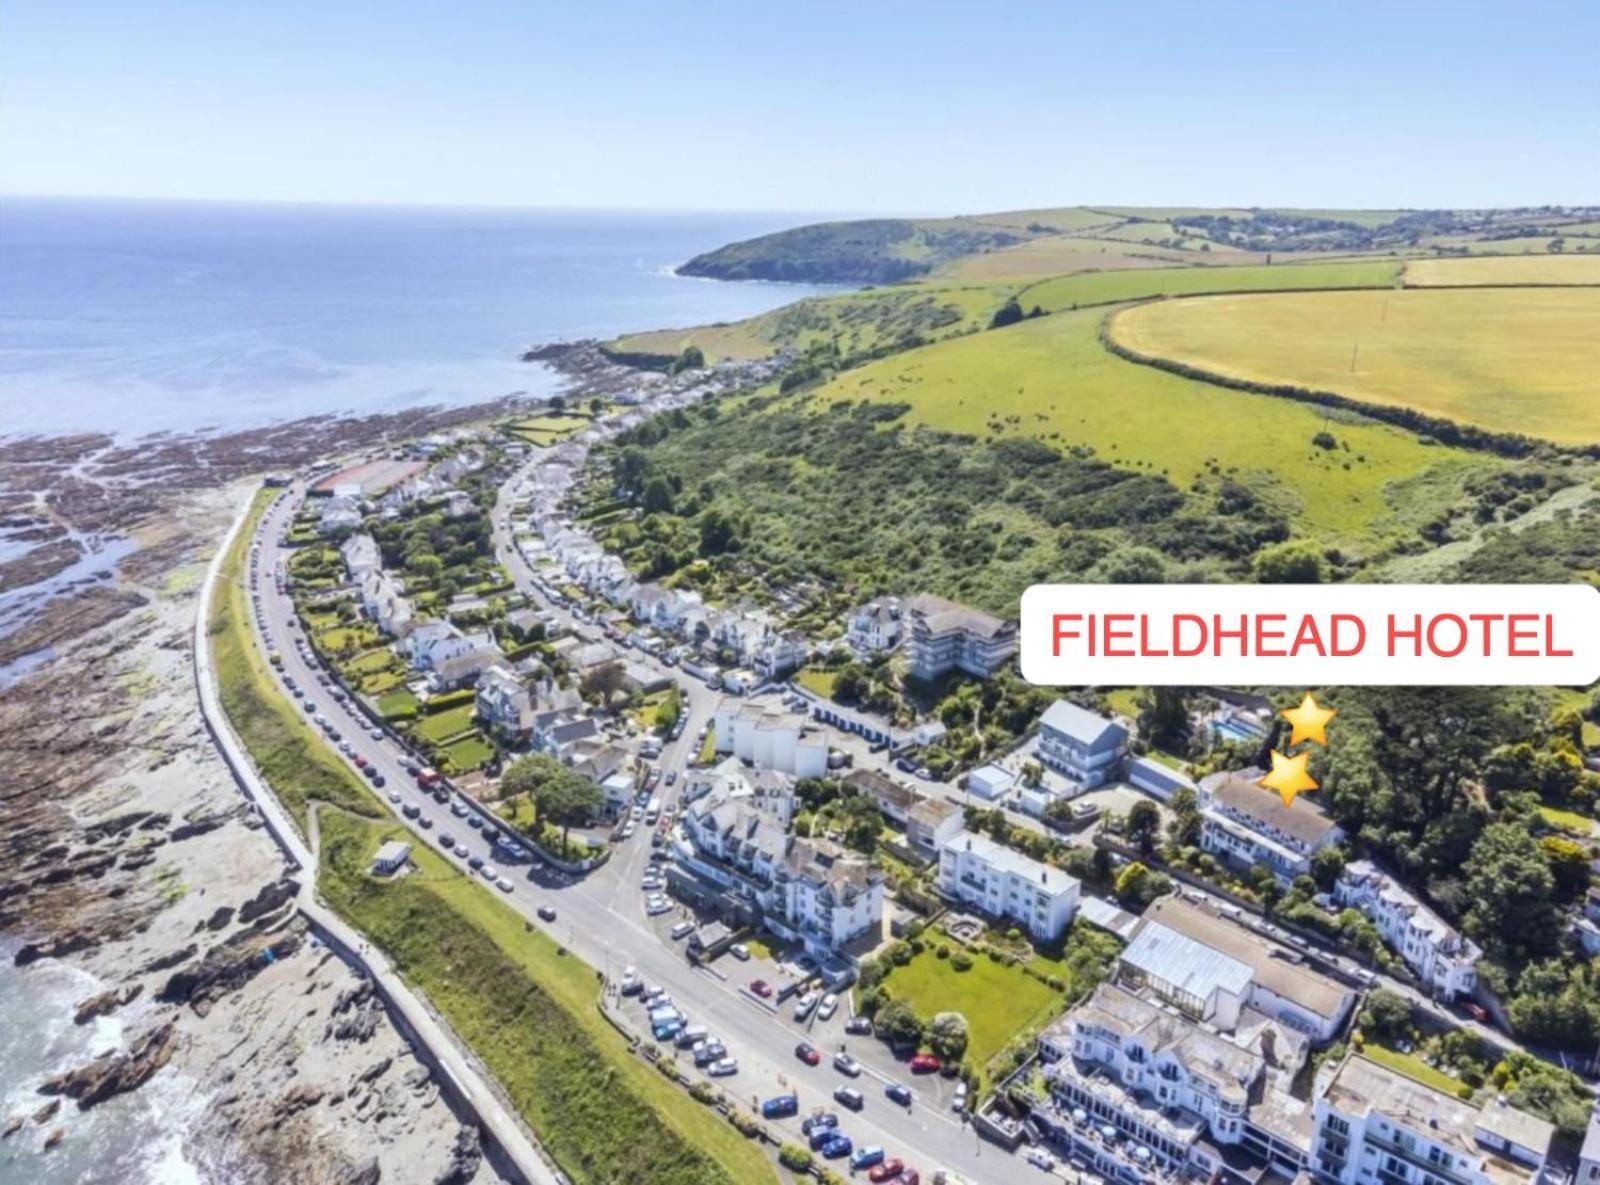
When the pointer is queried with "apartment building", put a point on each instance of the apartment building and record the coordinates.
(772, 740)
(1081, 745)
(1377, 1127)
(825, 896)
(1247, 824)
(1444, 960)
(504, 705)
(874, 628)
(942, 636)
(1000, 882)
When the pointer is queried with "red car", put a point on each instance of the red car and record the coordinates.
(761, 988)
(807, 1054)
(911, 1177)
(1477, 1012)
(924, 1063)
(887, 1170)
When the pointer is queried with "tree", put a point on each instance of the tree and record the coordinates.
(1184, 831)
(668, 711)
(558, 403)
(1290, 563)
(717, 534)
(1326, 864)
(1512, 891)
(1133, 883)
(1007, 314)
(1569, 864)
(898, 1023)
(1164, 718)
(596, 406)
(558, 796)
(629, 470)
(861, 821)
(657, 497)
(692, 358)
(603, 682)
(1387, 1015)
(947, 1036)
(1144, 825)
(1132, 565)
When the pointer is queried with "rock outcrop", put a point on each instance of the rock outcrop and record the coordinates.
(116, 1073)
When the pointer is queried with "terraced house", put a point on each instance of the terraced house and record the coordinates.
(943, 636)
(1445, 961)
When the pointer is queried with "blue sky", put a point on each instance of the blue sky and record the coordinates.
(873, 105)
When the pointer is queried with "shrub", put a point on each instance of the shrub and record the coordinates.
(745, 1125)
(961, 961)
(942, 951)
(703, 1092)
(795, 1158)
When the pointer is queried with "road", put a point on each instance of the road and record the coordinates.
(601, 917)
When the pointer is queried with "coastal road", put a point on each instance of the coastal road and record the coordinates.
(601, 918)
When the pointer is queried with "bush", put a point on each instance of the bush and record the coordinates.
(703, 1092)
(942, 951)
(795, 1158)
(961, 961)
(745, 1125)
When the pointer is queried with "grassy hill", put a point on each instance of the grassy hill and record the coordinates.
(1041, 242)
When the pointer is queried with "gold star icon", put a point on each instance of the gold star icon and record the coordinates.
(1289, 776)
(1310, 722)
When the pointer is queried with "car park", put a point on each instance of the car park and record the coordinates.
(849, 1096)
(899, 1092)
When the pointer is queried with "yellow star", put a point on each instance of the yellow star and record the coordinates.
(1310, 722)
(1289, 776)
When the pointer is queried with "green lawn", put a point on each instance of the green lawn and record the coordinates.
(437, 726)
(999, 1001)
(819, 681)
(1411, 1066)
(1569, 821)
(708, 748)
(1124, 701)
(297, 765)
(467, 754)
(528, 1010)
(398, 705)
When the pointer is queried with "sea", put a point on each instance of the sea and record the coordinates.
(140, 317)
(136, 317)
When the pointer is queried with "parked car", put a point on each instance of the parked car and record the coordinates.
(849, 1096)
(780, 1107)
(886, 1170)
(807, 1053)
(925, 1063)
(866, 1156)
(1040, 1159)
(723, 1067)
(740, 951)
(829, 1005)
(547, 913)
(821, 1136)
(959, 1103)
(847, 1065)
(804, 1005)
(836, 1147)
(761, 988)
(474, 862)
(899, 1092)
(446, 840)
(819, 1121)
(858, 1026)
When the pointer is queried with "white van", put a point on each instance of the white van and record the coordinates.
(682, 930)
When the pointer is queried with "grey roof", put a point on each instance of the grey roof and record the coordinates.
(1189, 965)
(1090, 729)
(1238, 790)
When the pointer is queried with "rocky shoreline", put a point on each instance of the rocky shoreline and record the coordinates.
(129, 853)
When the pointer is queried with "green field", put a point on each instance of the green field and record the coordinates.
(1069, 292)
(528, 1009)
(1504, 269)
(999, 1000)
(293, 760)
(1411, 1066)
(1051, 378)
(439, 726)
(1520, 360)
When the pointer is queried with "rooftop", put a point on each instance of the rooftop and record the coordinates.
(942, 616)
(1188, 965)
(1305, 822)
(1004, 859)
(1089, 729)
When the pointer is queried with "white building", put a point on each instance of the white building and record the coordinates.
(1589, 1156)
(1083, 746)
(990, 782)
(772, 740)
(776, 654)
(1377, 1127)
(1247, 824)
(504, 704)
(360, 554)
(874, 628)
(339, 513)
(943, 636)
(825, 897)
(1443, 959)
(1003, 883)
(391, 857)
(382, 603)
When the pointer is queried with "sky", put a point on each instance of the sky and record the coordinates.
(872, 106)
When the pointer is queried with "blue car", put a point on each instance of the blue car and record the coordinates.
(837, 1147)
(867, 1157)
(822, 1137)
(781, 1107)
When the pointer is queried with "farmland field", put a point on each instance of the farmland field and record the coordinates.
(1051, 378)
(1507, 360)
(1060, 255)
(1065, 292)
(1504, 269)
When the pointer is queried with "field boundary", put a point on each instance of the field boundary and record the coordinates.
(1445, 431)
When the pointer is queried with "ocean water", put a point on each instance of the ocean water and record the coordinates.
(132, 1139)
(134, 317)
